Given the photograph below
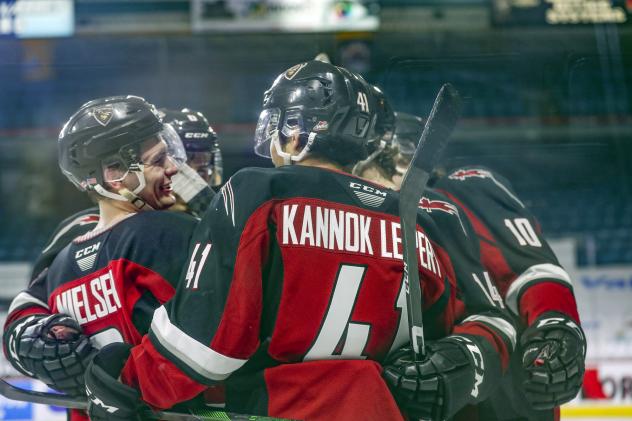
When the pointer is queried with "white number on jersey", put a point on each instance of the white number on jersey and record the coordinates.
(192, 273)
(490, 290)
(336, 321)
(363, 102)
(523, 231)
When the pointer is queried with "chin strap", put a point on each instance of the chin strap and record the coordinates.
(290, 159)
(126, 195)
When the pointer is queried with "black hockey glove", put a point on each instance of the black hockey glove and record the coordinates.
(554, 349)
(108, 398)
(458, 370)
(52, 349)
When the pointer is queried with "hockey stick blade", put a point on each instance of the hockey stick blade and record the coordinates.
(439, 125)
(15, 393)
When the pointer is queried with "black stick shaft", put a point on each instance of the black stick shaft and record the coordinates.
(443, 117)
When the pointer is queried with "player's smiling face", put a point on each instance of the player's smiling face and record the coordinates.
(158, 170)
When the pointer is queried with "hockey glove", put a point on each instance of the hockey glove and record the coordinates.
(52, 349)
(192, 189)
(108, 398)
(554, 349)
(458, 370)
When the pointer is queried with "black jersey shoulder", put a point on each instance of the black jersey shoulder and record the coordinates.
(252, 187)
(478, 186)
(155, 240)
(70, 228)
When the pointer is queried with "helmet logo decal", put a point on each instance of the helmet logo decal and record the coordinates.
(103, 115)
(293, 71)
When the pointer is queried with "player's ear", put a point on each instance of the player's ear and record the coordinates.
(292, 146)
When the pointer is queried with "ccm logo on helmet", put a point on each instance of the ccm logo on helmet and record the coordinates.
(196, 135)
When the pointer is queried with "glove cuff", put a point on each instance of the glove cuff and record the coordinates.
(11, 340)
(112, 358)
(485, 362)
(552, 320)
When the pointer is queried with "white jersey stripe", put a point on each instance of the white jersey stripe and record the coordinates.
(534, 273)
(25, 298)
(199, 357)
(501, 324)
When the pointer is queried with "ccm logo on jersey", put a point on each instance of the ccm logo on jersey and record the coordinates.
(196, 135)
(368, 189)
(90, 301)
(463, 174)
(432, 205)
(88, 250)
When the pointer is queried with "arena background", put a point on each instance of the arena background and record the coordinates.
(547, 85)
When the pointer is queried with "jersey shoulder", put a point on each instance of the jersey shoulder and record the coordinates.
(152, 232)
(67, 230)
(480, 184)
(252, 187)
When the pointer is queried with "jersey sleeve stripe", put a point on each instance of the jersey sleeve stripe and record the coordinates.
(203, 360)
(539, 272)
(24, 298)
(497, 323)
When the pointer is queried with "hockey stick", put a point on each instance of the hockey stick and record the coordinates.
(443, 117)
(15, 393)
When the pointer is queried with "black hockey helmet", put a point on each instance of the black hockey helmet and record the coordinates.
(107, 133)
(384, 128)
(200, 142)
(332, 109)
(385, 125)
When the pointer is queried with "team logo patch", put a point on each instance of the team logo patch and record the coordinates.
(103, 115)
(320, 126)
(463, 174)
(439, 205)
(293, 71)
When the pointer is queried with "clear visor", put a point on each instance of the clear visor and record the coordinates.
(267, 128)
(175, 146)
(155, 151)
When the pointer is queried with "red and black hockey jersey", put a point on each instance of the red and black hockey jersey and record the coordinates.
(512, 247)
(289, 265)
(111, 280)
(484, 306)
(31, 300)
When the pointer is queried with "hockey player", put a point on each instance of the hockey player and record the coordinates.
(200, 143)
(203, 166)
(104, 286)
(478, 294)
(294, 291)
(549, 367)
